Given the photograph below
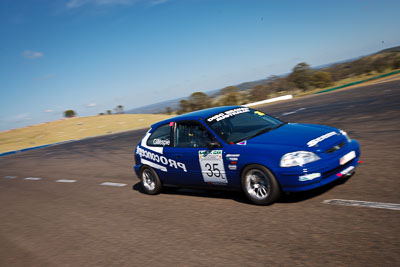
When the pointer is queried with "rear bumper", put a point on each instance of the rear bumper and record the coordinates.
(319, 173)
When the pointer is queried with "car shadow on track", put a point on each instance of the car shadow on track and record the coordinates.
(195, 192)
(240, 197)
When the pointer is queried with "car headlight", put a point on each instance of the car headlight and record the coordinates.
(298, 158)
(345, 134)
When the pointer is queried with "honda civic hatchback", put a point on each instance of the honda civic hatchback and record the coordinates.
(244, 149)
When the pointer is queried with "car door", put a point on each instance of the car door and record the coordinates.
(205, 165)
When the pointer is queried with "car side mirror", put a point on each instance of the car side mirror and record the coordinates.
(213, 144)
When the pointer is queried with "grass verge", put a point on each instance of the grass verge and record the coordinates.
(74, 128)
(353, 80)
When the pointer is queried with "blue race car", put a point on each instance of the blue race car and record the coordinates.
(241, 148)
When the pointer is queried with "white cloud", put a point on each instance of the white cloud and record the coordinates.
(17, 19)
(49, 111)
(32, 54)
(21, 117)
(47, 77)
(91, 105)
(158, 2)
(78, 3)
(44, 77)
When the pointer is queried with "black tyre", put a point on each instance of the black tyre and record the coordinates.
(150, 182)
(260, 185)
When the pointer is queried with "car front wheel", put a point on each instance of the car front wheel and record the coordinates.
(260, 185)
(150, 182)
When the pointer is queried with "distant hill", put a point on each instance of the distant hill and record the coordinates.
(393, 49)
(337, 69)
(157, 107)
(161, 106)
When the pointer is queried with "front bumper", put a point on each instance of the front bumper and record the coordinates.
(319, 173)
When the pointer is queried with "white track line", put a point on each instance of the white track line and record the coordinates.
(292, 112)
(32, 178)
(10, 177)
(65, 181)
(366, 204)
(113, 184)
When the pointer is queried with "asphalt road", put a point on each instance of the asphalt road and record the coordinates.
(82, 223)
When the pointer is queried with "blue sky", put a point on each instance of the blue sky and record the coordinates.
(92, 55)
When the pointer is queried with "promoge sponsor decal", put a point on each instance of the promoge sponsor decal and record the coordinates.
(346, 171)
(151, 159)
(315, 141)
(309, 177)
(233, 159)
(346, 158)
(232, 167)
(227, 114)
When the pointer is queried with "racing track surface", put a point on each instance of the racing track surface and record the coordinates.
(83, 223)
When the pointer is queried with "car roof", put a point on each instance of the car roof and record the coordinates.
(195, 115)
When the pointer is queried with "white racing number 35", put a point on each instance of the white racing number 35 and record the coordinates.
(212, 166)
(213, 170)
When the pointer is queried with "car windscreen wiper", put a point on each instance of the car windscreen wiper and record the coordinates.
(254, 135)
(260, 132)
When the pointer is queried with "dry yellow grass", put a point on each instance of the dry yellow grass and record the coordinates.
(74, 128)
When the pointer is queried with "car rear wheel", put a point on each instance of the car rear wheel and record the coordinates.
(260, 185)
(150, 182)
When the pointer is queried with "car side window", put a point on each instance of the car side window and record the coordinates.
(192, 134)
(160, 137)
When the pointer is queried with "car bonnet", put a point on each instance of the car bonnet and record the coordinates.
(305, 136)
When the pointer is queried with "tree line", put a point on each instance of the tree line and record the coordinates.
(301, 79)
(118, 110)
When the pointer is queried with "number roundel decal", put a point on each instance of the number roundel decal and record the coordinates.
(212, 166)
(213, 170)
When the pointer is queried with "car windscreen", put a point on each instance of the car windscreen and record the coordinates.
(239, 124)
